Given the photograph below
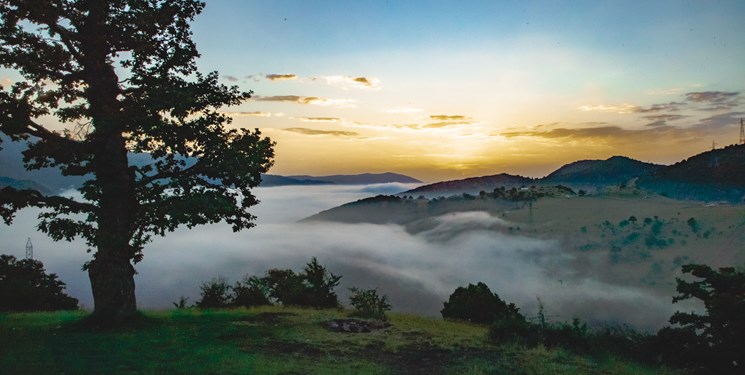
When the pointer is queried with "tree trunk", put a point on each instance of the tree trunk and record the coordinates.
(113, 285)
(111, 272)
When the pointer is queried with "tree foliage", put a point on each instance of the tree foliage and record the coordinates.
(715, 339)
(368, 304)
(477, 304)
(25, 286)
(119, 77)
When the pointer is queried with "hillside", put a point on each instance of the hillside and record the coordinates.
(269, 180)
(275, 341)
(471, 185)
(612, 171)
(717, 175)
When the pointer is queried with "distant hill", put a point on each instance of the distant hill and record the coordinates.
(23, 184)
(612, 171)
(269, 180)
(709, 176)
(471, 185)
(362, 179)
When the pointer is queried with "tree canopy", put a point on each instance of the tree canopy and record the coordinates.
(103, 79)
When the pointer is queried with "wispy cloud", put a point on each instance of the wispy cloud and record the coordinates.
(606, 132)
(307, 100)
(721, 121)
(335, 133)
(662, 119)
(715, 100)
(617, 108)
(320, 119)
(280, 77)
(230, 78)
(249, 114)
(663, 107)
(444, 121)
(348, 82)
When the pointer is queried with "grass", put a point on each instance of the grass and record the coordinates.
(273, 340)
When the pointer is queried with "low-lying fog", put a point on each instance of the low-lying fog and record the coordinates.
(417, 271)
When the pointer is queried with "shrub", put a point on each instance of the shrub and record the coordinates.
(25, 286)
(252, 291)
(215, 294)
(368, 304)
(320, 284)
(477, 304)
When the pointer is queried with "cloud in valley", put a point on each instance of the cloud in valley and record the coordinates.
(416, 270)
(335, 133)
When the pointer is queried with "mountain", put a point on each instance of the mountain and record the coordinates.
(612, 171)
(362, 179)
(471, 185)
(11, 166)
(23, 184)
(716, 175)
(269, 180)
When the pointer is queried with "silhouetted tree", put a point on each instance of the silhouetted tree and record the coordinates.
(25, 286)
(120, 75)
(215, 293)
(715, 339)
(477, 304)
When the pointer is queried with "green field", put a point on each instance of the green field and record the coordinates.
(274, 340)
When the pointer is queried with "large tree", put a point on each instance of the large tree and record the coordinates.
(119, 76)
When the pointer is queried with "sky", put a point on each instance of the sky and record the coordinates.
(450, 89)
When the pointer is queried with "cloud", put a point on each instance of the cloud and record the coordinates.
(319, 119)
(665, 107)
(230, 78)
(619, 108)
(721, 121)
(662, 119)
(348, 82)
(307, 100)
(402, 110)
(612, 133)
(443, 121)
(715, 100)
(448, 117)
(335, 133)
(418, 271)
(249, 114)
(280, 77)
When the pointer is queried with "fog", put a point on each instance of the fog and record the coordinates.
(417, 271)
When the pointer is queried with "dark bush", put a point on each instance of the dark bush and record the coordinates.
(215, 294)
(477, 304)
(252, 291)
(25, 286)
(320, 284)
(368, 304)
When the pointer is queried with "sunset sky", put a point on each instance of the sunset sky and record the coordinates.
(450, 89)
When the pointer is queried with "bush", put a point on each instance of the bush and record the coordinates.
(25, 286)
(367, 303)
(320, 284)
(477, 304)
(252, 291)
(215, 294)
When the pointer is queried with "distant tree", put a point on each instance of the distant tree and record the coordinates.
(121, 76)
(25, 286)
(477, 304)
(714, 340)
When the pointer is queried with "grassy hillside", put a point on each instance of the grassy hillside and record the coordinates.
(274, 341)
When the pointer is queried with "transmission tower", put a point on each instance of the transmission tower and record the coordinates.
(29, 249)
(713, 161)
(742, 133)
